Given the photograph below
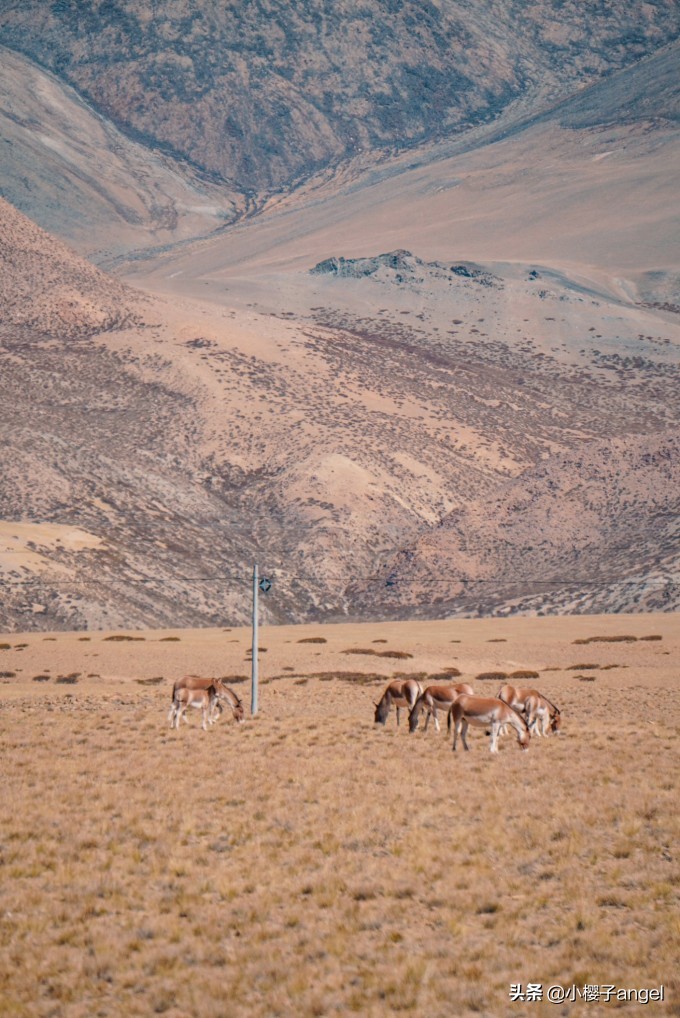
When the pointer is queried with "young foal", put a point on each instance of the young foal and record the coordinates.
(543, 717)
(533, 705)
(432, 698)
(203, 699)
(223, 694)
(401, 693)
(485, 712)
(197, 685)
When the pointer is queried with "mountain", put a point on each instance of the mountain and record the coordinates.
(596, 530)
(262, 94)
(436, 377)
(47, 289)
(79, 177)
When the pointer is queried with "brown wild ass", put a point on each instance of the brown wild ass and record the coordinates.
(485, 712)
(223, 693)
(522, 697)
(401, 693)
(202, 699)
(435, 697)
(537, 709)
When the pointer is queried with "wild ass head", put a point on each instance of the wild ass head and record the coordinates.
(382, 709)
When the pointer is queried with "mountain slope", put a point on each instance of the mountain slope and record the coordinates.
(263, 94)
(454, 364)
(596, 530)
(46, 288)
(79, 177)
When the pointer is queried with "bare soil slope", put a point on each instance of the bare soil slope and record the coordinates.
(266, 95)
(81, 178)
(475, 347)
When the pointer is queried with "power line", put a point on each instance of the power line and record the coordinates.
(243, 578)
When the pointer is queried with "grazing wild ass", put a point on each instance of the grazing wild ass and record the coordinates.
(485, 712)
(435, 697)
(223, 694)
(534, 706)
(401, 693)
(543, 717)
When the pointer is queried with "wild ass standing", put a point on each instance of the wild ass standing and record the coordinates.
(203, 699)
(435, 697)
(533, 705)
(485, 712)
(543, 717)
(401, 693)
(222, 693)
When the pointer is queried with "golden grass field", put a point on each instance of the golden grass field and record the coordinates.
(311, 863)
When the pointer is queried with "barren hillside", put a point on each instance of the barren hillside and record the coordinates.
(47, 289)
(430, 385)
(266, 93)
(81, 178)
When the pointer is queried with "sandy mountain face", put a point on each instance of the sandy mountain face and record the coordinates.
(443, 381)
(49, 290)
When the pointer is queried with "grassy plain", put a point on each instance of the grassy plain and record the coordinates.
(311, 863)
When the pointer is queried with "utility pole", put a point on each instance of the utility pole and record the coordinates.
(253, 682)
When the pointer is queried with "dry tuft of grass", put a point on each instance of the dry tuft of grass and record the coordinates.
(585, 678)
(445, 674)
(117, 638)
(314, 639)
(524, 673)
(606, 639)
(492, 676)
(155, 681)
(41, 678)
(400, 655)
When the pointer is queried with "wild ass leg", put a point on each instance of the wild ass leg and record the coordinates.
(495, 727)
(461, 726)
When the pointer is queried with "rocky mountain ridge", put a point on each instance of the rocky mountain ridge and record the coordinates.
(263, 95)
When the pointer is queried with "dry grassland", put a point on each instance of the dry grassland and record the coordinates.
(311, 863)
